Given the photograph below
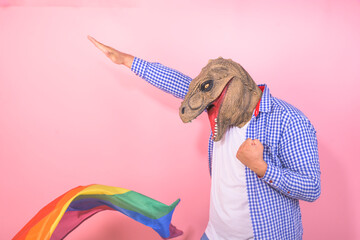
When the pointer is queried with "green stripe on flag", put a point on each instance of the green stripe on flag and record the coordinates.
(136, 202)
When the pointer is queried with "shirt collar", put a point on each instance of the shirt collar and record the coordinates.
(264, 104)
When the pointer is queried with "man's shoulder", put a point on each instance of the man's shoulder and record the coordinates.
(287, 111)
(279, 109)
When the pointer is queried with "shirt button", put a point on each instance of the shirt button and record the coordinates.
(288, 192)
(270, 181)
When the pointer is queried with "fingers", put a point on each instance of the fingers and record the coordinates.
(255, 141)
(105, 49)
(252, 142)
(249, 141)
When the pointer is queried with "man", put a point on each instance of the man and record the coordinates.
(260, 168)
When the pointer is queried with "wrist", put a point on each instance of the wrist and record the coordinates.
(128, 60)
(260, 169)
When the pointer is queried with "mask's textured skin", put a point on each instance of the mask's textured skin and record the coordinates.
(238, 104)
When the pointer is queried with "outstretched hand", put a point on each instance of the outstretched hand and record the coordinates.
(114, 55)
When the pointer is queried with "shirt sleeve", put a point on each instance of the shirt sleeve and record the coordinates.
(299, 175)
(162, 77)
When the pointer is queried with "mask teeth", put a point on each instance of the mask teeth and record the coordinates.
(214, 136)
(216, 129)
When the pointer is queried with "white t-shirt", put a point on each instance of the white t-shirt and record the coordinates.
(229, 205)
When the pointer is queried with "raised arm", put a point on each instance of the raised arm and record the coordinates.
(160, 76)
(300, 176)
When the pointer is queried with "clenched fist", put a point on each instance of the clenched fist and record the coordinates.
(250, 153)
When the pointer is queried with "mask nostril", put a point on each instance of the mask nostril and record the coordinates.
(183, 110)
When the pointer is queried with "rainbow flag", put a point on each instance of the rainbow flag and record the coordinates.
(57, 219)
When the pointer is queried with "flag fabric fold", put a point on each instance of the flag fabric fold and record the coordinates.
(57, 219)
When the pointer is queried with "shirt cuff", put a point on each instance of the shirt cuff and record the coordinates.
(272, 176)
(139, 67)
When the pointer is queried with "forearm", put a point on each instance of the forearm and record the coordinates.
(295, 170)
(293, 184)
(162, 77)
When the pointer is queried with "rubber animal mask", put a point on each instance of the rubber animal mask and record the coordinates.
(226, 91)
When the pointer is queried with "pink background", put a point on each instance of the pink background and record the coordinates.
(69, 117)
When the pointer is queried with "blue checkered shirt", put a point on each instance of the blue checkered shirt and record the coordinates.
(290, 151)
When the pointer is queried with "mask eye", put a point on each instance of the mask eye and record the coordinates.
(207, 86)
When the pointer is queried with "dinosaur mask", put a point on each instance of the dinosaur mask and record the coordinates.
(226, 91)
